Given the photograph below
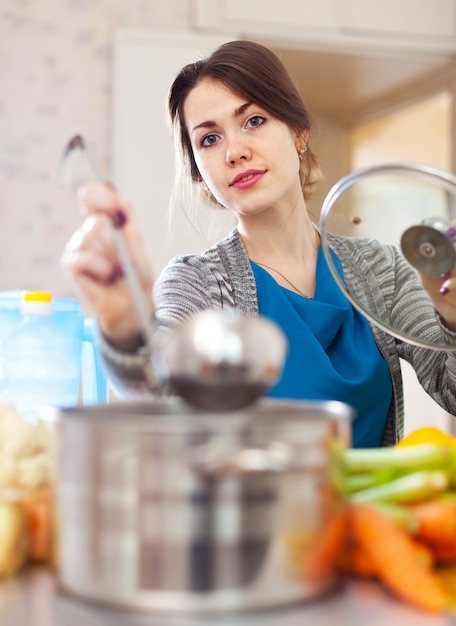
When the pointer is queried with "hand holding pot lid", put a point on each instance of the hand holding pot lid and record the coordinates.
(406, 206)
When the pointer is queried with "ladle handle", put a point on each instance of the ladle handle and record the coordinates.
(128, 267)
(131, 276)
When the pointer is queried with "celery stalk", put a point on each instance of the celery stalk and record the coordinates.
(423, 456)
(408, 488)
(358, 481)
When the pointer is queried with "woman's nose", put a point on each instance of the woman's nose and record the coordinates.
(236, 151)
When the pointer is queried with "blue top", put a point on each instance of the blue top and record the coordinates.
(332, 353)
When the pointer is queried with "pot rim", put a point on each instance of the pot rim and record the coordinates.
(173, 415)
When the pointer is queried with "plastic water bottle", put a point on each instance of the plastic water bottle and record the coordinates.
(38, 363)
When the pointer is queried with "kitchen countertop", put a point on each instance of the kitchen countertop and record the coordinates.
(34, 600)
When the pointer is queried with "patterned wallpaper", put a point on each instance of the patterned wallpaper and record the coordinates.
(55, 81)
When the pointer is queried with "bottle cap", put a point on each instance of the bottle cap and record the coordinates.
(37, 303)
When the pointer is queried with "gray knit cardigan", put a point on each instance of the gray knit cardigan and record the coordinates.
(375, 274)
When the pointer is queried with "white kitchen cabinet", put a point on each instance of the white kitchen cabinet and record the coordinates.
(405, 19)
(266, 14)
(424, 25)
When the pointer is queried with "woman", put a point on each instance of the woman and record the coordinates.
(243, 139)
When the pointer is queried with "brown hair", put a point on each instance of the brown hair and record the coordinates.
(254, 72)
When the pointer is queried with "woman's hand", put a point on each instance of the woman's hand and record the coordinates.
(442, 291)
(92, 262)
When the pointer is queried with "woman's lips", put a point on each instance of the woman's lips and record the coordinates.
(247, 179)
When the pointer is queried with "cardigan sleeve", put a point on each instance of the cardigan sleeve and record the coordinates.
(435, 368)
(187, 285)
(413, 312)
(388, 288)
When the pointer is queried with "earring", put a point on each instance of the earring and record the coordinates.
(301, 152)
(208, 192)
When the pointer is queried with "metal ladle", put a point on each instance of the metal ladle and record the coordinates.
(216, 360)
(223, 360)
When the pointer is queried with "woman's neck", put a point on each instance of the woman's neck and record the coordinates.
(294, 240)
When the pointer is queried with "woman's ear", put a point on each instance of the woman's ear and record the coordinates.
(301, 141)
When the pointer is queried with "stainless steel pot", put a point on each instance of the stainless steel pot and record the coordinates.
(166, 509)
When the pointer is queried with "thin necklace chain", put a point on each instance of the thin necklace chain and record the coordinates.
(301, 293)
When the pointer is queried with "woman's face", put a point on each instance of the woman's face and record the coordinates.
(247, 158)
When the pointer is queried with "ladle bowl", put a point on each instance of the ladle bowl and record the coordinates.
(223, 360)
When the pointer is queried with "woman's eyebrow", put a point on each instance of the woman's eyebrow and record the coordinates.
(211, 123)
(242, 109)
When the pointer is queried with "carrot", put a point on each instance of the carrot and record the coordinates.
(436, 520)
(444, 553)
(320, 562)
(395, 558)
(424, 553)
(355, 561)
(38, 510)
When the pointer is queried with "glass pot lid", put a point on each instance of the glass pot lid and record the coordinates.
(406, 206)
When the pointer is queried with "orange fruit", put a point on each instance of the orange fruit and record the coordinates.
(428, 434)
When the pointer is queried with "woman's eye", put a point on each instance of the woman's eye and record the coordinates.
(256, 120)
(209, 140)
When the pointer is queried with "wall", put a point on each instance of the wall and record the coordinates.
(421, 131)
(55, 81)
(331, 142)
(418, 132)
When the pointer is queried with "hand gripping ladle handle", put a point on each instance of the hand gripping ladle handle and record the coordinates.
(131, 275)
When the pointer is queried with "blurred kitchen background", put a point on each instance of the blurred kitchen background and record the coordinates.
(377, 75)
